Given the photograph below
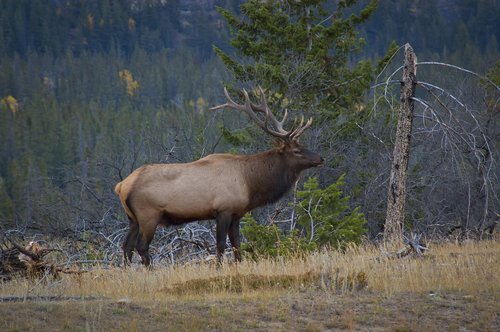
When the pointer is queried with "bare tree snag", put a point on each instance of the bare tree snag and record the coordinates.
(397, 183)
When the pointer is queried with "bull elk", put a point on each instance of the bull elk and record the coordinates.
(219, 186)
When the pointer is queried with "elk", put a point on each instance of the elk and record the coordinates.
(219, 186)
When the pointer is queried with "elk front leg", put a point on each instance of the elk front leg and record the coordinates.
(234, 237)
(223, 221)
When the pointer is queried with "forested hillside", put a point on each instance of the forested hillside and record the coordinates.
(90, 90)
(464, 32)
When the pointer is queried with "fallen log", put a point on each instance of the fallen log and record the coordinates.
(27, 262)
(413, 247)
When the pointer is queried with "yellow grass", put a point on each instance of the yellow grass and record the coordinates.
(468, 269)
(450, 288)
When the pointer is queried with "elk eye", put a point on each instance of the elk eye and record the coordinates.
(297, 151)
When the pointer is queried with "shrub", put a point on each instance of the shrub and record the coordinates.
(324, 219)
(270, 240)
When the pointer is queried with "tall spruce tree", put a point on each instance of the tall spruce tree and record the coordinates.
(300, 51)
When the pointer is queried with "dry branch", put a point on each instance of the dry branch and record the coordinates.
(28, 262)
(413, 246)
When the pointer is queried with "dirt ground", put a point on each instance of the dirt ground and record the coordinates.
(274, 311)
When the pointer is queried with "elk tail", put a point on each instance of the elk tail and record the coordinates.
(125, 200)
(118, 188)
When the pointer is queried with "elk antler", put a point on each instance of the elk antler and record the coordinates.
(277, 129)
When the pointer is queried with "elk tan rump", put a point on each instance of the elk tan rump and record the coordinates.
(201, 188)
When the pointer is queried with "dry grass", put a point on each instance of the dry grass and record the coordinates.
(465, 276)
(470, 268)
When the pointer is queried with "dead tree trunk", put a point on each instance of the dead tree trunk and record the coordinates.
(397, 185)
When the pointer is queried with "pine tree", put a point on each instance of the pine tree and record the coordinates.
(326, 216)
(301, 51)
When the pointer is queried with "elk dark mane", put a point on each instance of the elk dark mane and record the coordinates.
(268, 177)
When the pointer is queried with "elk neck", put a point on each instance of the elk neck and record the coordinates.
(268, 176)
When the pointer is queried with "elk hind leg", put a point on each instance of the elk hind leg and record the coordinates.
(128, 245)
(144, 238)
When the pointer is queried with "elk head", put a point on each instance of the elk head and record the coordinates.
(287, 140)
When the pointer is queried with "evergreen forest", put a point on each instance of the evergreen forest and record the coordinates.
(92, 89)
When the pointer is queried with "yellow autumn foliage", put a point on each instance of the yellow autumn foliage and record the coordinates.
(132, 85)
(11, 103)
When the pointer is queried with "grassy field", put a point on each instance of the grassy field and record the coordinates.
(453, 287)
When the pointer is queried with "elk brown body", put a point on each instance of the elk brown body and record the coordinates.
(220, 186)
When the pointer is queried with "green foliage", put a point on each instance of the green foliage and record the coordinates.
(391, 50)
(494, 74)
(236, 138)
(270, 241)
(324, 215)
(300, 50)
